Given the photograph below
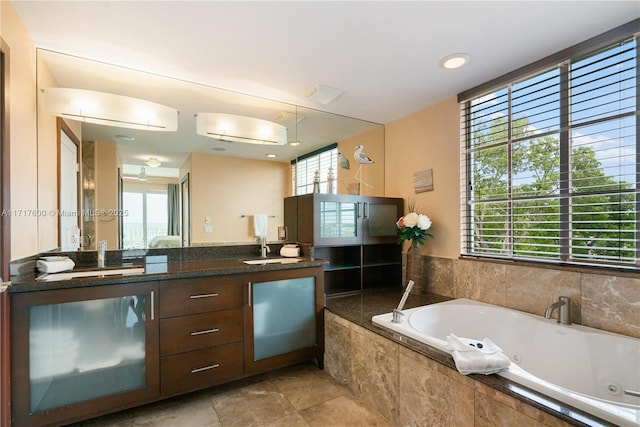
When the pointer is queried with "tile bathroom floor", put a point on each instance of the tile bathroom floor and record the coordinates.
(301, 395)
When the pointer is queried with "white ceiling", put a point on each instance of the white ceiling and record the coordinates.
(384, 54)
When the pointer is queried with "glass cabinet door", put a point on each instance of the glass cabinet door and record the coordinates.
(284, 316)
(86, 349)
(337, 220)
(379, 219)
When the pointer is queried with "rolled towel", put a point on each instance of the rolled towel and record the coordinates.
(477, 357)
(54, 264)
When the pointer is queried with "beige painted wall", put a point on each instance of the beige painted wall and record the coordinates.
(372, 174)
(23, 138)
(428, 139)
(107, 192)
(225, 188)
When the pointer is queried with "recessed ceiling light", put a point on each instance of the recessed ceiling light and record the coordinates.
(454, 61)
(153, 162)
(294, 143)
(271, 156)
(124, 138)
(323, 94)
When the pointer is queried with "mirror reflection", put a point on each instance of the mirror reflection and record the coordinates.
(138, 189)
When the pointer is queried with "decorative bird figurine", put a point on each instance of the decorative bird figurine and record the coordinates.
(363, 159)
(343, 161)
(360, 157)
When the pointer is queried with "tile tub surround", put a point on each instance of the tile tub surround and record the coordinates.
(411, 383)
(606, 300)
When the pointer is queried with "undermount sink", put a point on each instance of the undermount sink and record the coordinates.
(272, 261)
(66, 275)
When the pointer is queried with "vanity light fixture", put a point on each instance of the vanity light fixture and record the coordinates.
(323, 94)
(153, 162)
(454, 61)
(109, 109)
(234, 128)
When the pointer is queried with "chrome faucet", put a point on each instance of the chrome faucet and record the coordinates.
(564, 312)
(102, 253)
(264, 249)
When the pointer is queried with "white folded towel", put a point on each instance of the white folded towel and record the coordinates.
(260, 222)
(55, 264)
(477, 357)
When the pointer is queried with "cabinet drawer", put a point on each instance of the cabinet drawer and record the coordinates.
(196, 331)
(191, 296)
(201, 368)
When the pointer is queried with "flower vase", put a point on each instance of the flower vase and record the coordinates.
(414, 268)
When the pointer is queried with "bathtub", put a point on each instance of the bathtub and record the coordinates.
(583, 367)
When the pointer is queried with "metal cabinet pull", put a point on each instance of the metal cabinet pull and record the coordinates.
(203, 296)
(249, 292)
(205, 331)
(153, 311)
(204, 368)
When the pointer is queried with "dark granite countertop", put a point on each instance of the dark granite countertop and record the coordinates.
(359, 309)
(158, 267)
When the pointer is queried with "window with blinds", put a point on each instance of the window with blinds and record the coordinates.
(551, 163)
(324, 161)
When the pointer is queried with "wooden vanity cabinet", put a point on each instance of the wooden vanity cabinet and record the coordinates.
(82, 352)
(201, 332)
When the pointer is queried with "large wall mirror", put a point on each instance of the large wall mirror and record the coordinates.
(125, 194)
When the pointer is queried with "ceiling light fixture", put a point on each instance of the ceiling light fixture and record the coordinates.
(153, 162)
(124, 138)
(323, 94)
(271, 156)
(234, 128)
(109, 109)
(454, 61)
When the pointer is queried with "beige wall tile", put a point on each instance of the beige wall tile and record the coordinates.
(430, 396)
(532, 289)
(611, 303)
(438, 276)
(337, 348)
(375, 372)
(480, 281)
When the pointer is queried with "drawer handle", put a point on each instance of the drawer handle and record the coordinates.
(203, 296)
(204, 368)
(205, 331)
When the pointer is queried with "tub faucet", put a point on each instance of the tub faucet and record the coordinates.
(397, 313)
(564, 306)
(102, 252)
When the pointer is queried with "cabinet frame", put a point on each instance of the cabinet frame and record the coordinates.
(20, 379)
(252, 366)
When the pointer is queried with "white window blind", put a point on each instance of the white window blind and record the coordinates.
(550, 163)
(324, 161)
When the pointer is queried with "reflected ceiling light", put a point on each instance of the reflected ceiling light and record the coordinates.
(454, 61)
(294, 143)
(271, 156)
(153, 162)
(109, 109)
(323, 94)
(234, 128)
(292, 118)
(124, 138)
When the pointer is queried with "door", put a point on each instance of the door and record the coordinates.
(337, 220)
(68, 169)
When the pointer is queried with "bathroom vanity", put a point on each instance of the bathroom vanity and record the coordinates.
(89, 346)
